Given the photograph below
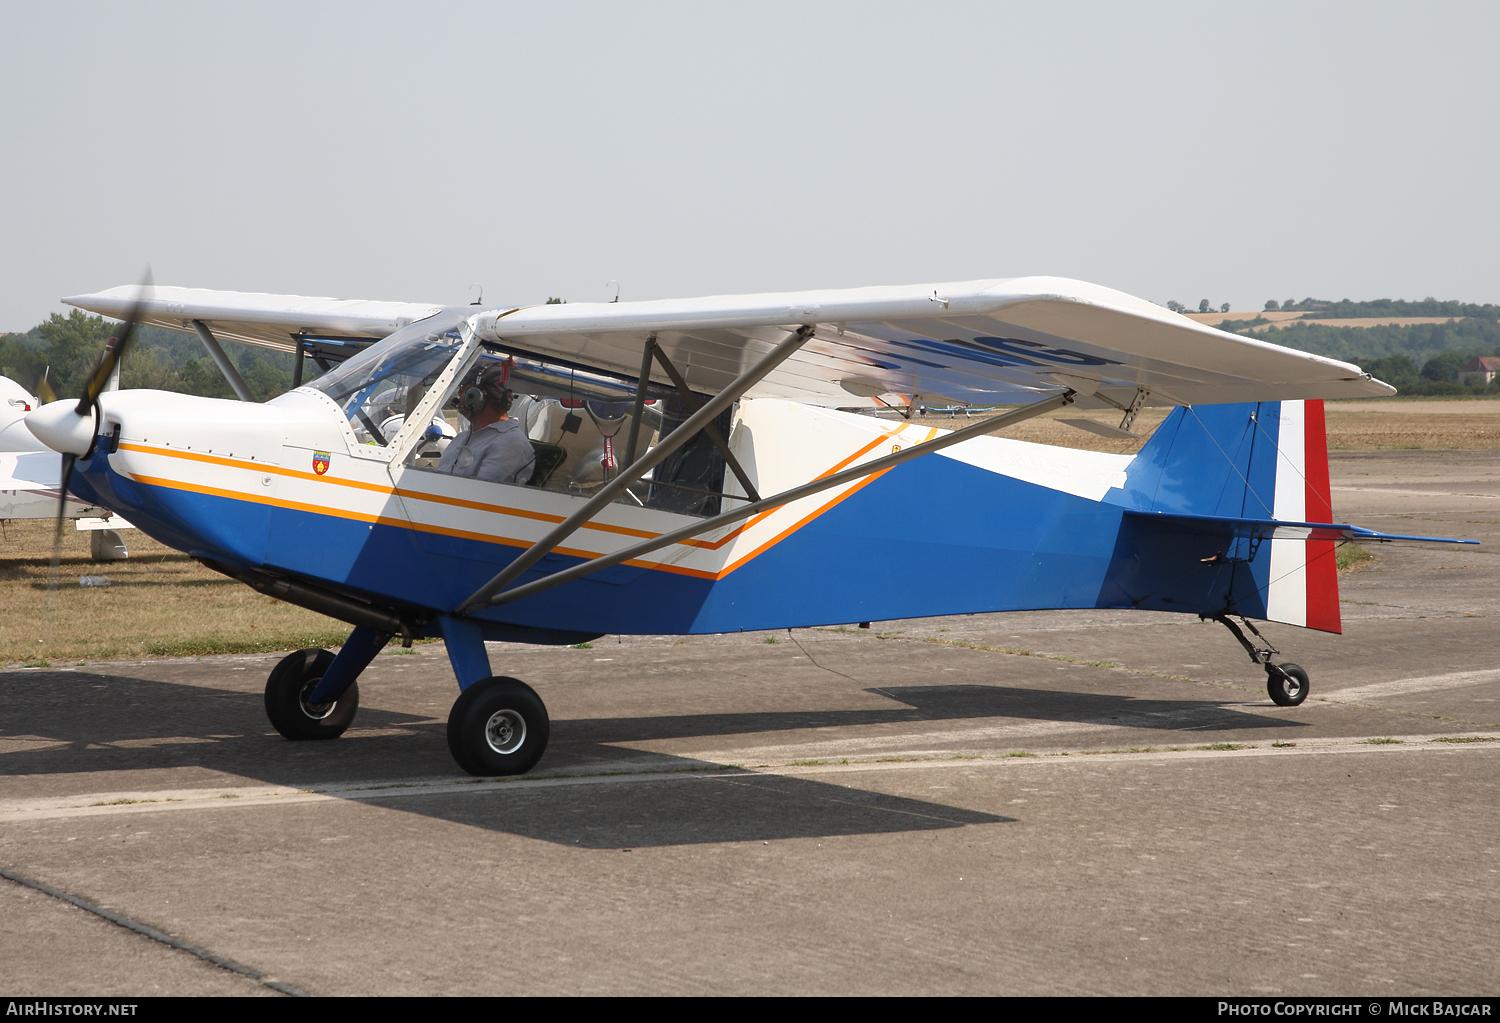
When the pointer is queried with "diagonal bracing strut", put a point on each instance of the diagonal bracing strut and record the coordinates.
(648, 461)
(216, 351)
(691, 400)
(639, 409)
(786, 497)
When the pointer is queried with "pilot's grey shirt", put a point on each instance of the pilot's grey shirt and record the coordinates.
(498, 452)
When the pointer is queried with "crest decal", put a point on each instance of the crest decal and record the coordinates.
(320, 462)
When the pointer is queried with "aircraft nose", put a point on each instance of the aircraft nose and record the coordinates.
(59, 426)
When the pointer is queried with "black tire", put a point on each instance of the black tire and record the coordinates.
(287, 689)
(1287, 684)
(498, 726)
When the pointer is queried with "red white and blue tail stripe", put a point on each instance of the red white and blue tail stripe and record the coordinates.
(1304, 588)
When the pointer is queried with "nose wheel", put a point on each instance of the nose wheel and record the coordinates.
(287, 705)
(498, 726)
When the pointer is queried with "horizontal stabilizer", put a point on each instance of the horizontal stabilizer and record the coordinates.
(1277, 529)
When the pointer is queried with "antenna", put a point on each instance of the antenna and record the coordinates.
(480, 299)
(617, 289)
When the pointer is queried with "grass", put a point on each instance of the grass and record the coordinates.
(581, 646)
(1466, 738)
(770, 639)
(1283, 745)
(161, 604)
(1225, 747)
(1351, 556)
(1383, 742)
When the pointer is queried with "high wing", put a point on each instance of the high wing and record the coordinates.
(975, 342)
(267, 321)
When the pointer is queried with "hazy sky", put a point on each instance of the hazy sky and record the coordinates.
(1235, 152)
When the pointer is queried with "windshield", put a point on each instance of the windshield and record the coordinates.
(380, 385)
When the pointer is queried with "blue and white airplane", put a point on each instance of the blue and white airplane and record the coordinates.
(741, 486)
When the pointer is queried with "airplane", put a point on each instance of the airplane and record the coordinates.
(31, 479)
(746, 484)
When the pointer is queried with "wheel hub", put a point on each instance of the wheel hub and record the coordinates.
(505, 731)
(316, 711)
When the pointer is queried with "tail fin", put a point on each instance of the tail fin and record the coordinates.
(1264, 460)
(1304, 585)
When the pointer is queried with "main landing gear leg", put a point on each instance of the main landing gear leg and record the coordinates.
(1286, 683)
(498, 725)
(312, 694)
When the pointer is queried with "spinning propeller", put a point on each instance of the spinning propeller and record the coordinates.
(71, 427)
(43, 389)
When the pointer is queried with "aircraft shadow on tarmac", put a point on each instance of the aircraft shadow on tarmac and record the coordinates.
(934, 703)
(735, 806)
(76, 722)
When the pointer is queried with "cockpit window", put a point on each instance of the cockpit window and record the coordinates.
(378, 387)
(576, 420)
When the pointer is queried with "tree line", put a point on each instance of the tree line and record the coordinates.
(65, 349)
(1345, 309)
(1422, 358)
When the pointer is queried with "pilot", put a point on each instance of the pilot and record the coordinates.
(494, 447)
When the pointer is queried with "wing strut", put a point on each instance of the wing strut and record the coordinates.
(216, 351)
(643, 381)
(691, 400)
(648, 461)
(785, 497)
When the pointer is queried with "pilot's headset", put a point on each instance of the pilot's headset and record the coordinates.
(489, 387)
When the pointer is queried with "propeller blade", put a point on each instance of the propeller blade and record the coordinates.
(62, 504)
(44, 390)
(114, 349)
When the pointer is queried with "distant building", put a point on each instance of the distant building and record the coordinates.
(1482, 370)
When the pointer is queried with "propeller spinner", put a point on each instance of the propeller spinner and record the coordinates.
(68, 426)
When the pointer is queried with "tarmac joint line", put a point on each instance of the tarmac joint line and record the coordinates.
(221, 962)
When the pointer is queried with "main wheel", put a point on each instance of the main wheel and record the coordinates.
(498, 726)
(292, 682)
(1287, 684)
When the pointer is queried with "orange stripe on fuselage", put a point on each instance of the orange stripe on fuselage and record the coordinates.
(500, 509)
(380, 488)
(384, 520)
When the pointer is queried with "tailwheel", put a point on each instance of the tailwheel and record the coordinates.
(287, 691)
(498, 726)
(1287, 684)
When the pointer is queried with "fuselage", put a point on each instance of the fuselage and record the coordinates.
(288, 487)
(991, 524)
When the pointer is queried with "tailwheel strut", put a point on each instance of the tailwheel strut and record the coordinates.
(1286, 683)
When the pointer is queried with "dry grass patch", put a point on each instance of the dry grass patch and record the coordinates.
(160, 603)
(1351, 557)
